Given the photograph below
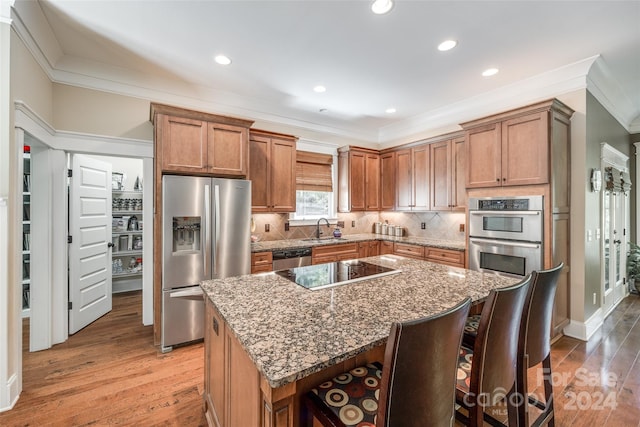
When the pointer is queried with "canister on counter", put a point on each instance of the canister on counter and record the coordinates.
(377, 227)
(383, 228)
(399, 231)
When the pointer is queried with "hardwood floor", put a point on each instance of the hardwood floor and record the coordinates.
(111, 374)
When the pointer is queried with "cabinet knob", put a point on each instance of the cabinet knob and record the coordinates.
(497, 179)
(504, 179)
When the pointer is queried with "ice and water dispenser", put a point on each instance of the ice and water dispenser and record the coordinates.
(186, 234)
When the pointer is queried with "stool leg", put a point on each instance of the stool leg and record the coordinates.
(548, 391)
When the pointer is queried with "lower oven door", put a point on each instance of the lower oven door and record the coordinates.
(182, 316)
(505, 257)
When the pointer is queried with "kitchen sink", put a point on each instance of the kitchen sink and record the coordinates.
(323, 239)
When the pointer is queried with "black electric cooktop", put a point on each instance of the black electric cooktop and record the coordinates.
(322, 276)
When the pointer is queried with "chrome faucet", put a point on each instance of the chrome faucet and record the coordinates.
(318, 232)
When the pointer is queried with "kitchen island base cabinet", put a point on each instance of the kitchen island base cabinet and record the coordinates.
(236, 395)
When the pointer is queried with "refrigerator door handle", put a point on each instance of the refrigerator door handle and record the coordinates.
(207, 226)
(216, 219)
(191, 293)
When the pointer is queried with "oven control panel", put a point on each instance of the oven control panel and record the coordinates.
(504, 205)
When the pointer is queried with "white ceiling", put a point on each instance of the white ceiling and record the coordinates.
(163, 50)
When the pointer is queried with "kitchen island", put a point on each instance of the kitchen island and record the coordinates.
(268, 341)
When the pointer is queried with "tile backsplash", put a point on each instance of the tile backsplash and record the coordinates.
(438, 225)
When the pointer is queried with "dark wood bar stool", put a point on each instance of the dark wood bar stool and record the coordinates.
(487, 371)
(534, 343)
(414, 387)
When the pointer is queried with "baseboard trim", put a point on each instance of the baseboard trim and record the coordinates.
(585, 330)
(12, 389)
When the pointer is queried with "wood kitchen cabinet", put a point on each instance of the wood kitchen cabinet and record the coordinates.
(510, 149)
(387, 181)
(448, 167)
(526, 151)
(188, 142)
(272, 172)
(232, 382)
(358, 179)
(261, 262)
(386, 247)
(191, 142)
(332, 253)
(366, 249)
(408, 250)
(412, 179)
(445, 256)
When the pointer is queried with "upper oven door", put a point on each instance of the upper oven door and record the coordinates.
(512, 225)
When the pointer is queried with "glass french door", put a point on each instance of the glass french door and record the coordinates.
(614, 262)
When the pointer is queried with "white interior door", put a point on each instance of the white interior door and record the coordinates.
(89, 251)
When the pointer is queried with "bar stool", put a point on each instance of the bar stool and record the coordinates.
(414, 387)
(534, 346)
(487, 371)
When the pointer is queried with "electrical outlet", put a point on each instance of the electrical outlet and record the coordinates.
(353, 223)
(462, 228)
(341, 224)
(423, 225)
(267, 227)
(286, 226)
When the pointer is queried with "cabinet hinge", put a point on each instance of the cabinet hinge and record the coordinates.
(624, 231)
(69, 239)
(69, 305)
(70, 173)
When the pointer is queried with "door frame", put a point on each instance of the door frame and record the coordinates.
(26, 121)
(614, 158)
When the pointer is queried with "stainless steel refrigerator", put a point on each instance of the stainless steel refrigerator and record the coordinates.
(205, 235)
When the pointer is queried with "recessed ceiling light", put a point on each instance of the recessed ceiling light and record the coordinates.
(390, 110)
(322, 110)
(447, 45)
(380, 7)
(319, 89)
(490, 72)
(222, 60)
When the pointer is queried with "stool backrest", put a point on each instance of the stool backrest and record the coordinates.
(536, 318)
(419, 373)
(496, 346)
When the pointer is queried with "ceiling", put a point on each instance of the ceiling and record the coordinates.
(164, 51)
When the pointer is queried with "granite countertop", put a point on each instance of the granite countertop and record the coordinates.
(291, 332)
(274, 245)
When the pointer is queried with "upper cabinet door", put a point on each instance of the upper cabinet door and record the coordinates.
(387, 181)
(184, 145)
(372, 182)
(441, 176)
(260, 173)
(404, 181)
(459, 174)
(283, 175)
(525, 150)
(484, 160)
(227, 150)
(421, 178)
(357, 180)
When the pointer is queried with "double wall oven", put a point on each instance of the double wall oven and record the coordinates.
(506, 235)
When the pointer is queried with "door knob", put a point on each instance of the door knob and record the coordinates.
(617, 242)
(109, 245)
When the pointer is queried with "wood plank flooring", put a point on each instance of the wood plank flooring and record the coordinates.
(111, 374)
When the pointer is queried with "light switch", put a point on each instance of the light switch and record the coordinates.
(589, 235)
(597, 234)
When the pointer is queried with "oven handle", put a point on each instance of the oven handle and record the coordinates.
(504, 243)
(515, 213)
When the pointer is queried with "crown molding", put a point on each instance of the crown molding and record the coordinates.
(606, 89)
(591, 72)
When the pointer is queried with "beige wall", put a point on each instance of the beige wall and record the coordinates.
(100, 113)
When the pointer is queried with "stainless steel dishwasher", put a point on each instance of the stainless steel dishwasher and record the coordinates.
(290, 258)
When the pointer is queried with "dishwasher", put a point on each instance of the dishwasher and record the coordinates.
(291, 258)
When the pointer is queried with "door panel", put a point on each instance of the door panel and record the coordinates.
(90, 228)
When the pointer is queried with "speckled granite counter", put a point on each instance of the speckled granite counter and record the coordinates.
(290, 332)
(347, 238)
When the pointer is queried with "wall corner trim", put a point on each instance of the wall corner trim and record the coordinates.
(585, 330)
